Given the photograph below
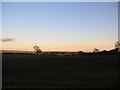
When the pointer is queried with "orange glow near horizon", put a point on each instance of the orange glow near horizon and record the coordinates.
(85, 48)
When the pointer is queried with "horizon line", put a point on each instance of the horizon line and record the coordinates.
(51, 50)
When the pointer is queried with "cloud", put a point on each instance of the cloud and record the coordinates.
(8, 39)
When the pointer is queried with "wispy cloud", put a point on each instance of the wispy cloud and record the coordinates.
(8, 39)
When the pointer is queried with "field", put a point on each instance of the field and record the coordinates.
(32, 71)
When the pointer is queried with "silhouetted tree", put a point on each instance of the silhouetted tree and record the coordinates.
(96, 50)
(37, 49)
(117, 46)
(81, 52)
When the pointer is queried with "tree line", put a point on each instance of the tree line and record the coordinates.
(116, 50)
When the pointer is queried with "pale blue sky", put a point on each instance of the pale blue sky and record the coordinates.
(60, 26)
(60, 0)
(0, 25)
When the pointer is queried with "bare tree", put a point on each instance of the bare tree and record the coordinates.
(117, 46)
(96, 50)
(37, 49)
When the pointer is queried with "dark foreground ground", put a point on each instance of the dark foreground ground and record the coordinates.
(32, 71)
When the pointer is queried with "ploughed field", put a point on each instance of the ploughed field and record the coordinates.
(33, 71)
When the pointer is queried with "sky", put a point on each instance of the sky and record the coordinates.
(59, 26)
(60, 0)
(0, 25)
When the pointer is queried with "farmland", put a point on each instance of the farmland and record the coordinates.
(85, 71)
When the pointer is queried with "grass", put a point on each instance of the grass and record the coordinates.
(29, 71)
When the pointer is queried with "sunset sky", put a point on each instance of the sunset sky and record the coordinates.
(55, 26)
